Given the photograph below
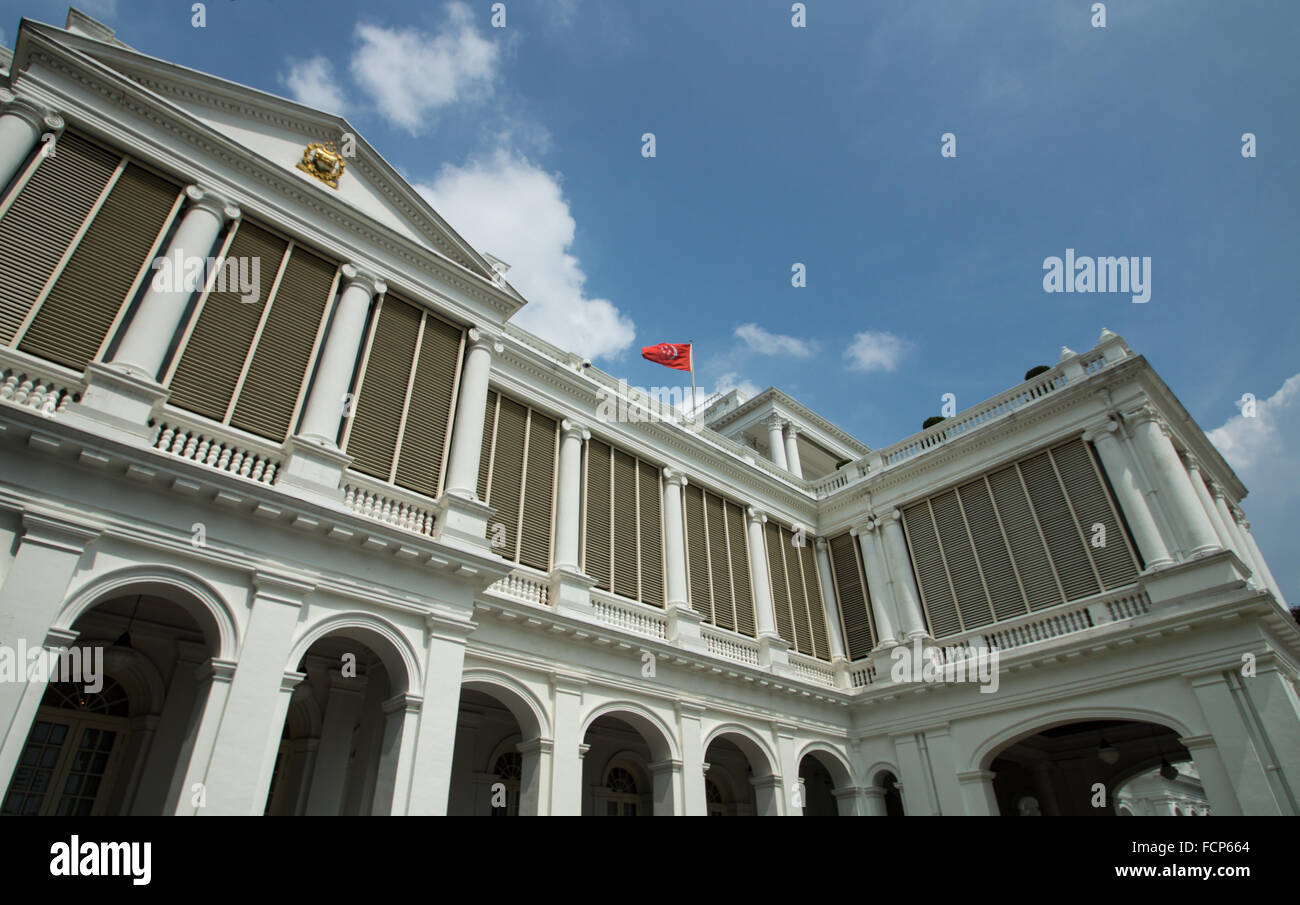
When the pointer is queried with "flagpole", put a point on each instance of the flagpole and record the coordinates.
(694, 401)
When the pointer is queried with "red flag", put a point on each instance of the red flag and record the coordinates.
(670, 355)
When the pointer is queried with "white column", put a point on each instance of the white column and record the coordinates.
(328, 397)
(792, 450)
(1123, 475)
(330, 773)
(674, 537)
(568, 495)
(1173, 483)
(1223, 527)
(868, 537)
(237, 777)
(155, 322)
(906, 596)
(695, 803)
(397, 756)
(1249, 538)
(758, 577)
(830, 600)
(471, 408)
(776, 441)
(429, 776)
(566, 762)
(21, 125)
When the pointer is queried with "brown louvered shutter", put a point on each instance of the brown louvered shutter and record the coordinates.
(853, 596)
(931, 576)
(959, 555)
(42, 220)
(991, 548)
(1027, 550)
(743, 598)
(626, 580)
(724, 609)
(103, 273)
(428, 413)
(652, 534)
(381, 396)
(1059, 529)
(508, 474)
(780, 587)
(813, 594)
(485, 455)
(539, 493)
(1093, 505)
(279, 365)
(208, 371)
(600, 530)
(799, 611)
(697, 552)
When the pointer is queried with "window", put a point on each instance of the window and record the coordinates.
(621, 799)
(516, 476)
(850, 576)
(623, 536)
(717, 560)
(796, 591)
(509, 770)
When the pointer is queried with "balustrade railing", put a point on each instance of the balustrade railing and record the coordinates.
(382, 502)
(218, 447)
(43, 387)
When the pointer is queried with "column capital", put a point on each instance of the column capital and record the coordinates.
(674, 476)
(1099, 429)
(55, 533)
(403, 701)
(281, 588)
(791, 429)
(357, 276)
(755, 515)
(774, 421)
(39, 117)
(208, 200)
(822, 545)
(1145, 412)
(478, 338)
(289, 681)
(1193, 464)
(893, 514)
(570, 428)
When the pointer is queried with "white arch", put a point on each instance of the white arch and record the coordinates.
(986, 751)
(750, 743)
(528, 710)
(212, 612)
(380, 635)
(656, 733)
(880, 766)
(835, 762)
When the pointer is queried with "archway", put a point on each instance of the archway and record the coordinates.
(628, 768)
(1078, 768)
(885, 795)
(741, 769)
(341, 743)
(110, 718)
(496, 767)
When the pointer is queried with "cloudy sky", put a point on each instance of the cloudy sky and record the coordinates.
(777, 146)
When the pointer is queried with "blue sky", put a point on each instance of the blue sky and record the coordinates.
(821, 145)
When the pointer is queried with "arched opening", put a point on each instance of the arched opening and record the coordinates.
(487, 772)
(112, 729)
(1174, 788)
(817, 796)
(729, 780)
(887, 785)
(1079, 768)
(341, 740)
(626, 770)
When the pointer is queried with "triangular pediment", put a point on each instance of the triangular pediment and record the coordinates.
(279, 131)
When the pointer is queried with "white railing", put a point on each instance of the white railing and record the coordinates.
(629, 616)
(40, 386)
(863, 676)
(523, 586)
(382, 502)
(812, 670)
(849, 474)
(730, 646)
(218, 447)
(1128, 606)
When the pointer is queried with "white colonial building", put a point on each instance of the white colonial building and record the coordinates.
(350, 542)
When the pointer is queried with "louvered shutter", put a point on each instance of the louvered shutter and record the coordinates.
(208, 371)
(599, 520)
(853, 596)
(797, 593)
(724, 609)
(381, 395)
(1027, 549)
(110, 261)
(652, 534)
(42, 220)
(991, 550)
(780, 587)
(427, 427)
(931, 576)
(1091, 500)
(508, 473)
(697, 552)
(1059, 529)
(626, 578)
(743, 597)
(278, 368)
(959, 555)
(813, 594)
(485, 455)
(539, 493)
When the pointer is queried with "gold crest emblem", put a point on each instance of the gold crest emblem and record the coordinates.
(324, 162)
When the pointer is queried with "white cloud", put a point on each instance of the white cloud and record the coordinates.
(503, 204)
(875, 351)
(409, 74)
(1264, 450)
(312, 82)
(765, 343)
